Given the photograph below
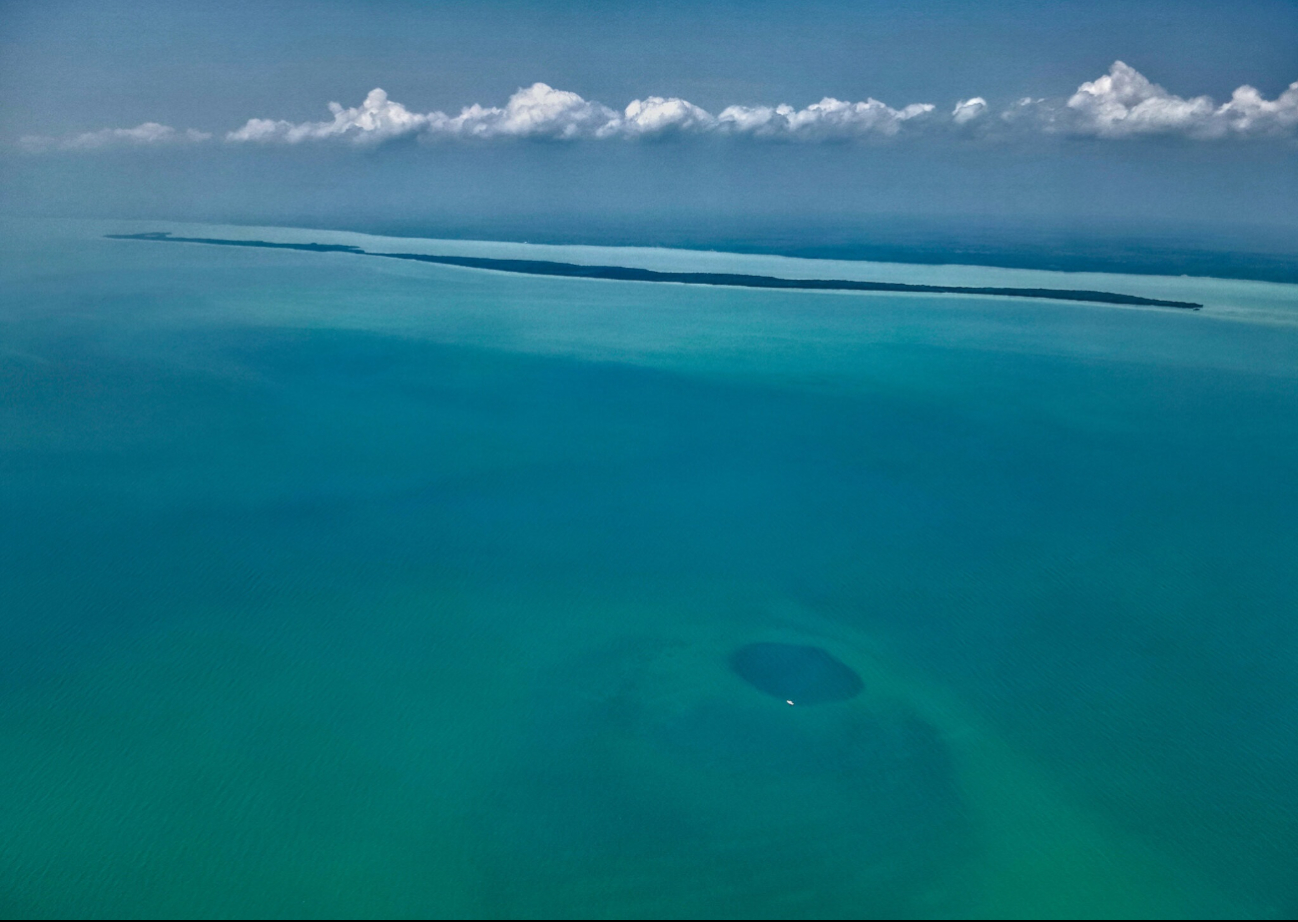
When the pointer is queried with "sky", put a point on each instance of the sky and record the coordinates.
(724, 119)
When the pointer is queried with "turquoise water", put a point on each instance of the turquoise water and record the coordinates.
(332, 587)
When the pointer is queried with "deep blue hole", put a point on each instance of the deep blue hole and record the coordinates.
(794, 672)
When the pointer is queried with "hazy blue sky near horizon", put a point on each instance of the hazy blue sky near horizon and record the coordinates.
(71, 67)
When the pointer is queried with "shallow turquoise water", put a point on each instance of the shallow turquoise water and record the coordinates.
(332, 587)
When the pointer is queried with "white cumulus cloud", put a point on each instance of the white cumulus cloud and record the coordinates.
(829, 119)
(656, 115)
(533, 112)
(1124, 103)
(376, 119)
(967, 110)
(537, 111)
(1248, 113)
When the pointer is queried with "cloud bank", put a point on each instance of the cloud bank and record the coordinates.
(540, 111)
(1122, 103)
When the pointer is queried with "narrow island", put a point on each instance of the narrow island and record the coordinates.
(625, 274)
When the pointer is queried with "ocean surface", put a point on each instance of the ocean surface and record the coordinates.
(340, 586)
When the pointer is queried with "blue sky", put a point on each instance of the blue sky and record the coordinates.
(144, 108)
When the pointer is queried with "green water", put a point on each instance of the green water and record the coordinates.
(338, 588)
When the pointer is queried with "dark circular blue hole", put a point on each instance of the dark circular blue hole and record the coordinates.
(795, 673)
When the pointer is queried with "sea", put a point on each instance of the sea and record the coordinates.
(334, 586)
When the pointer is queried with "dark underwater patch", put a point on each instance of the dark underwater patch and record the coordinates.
(692, 798)
(795, 673)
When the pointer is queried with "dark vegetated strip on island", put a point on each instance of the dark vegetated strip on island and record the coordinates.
(625, 274)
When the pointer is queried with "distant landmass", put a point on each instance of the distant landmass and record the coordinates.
(626, 274)
(1077, 245)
